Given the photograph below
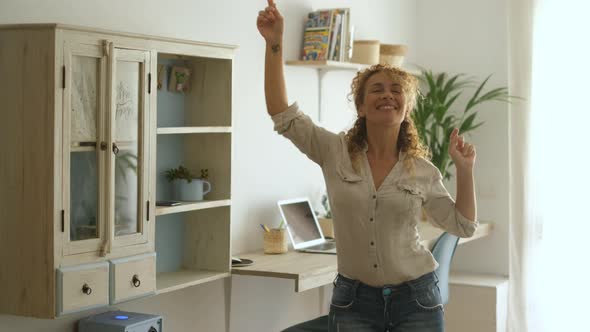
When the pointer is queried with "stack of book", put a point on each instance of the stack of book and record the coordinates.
(327, 35)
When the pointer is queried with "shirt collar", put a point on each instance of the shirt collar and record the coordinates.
(401, 156)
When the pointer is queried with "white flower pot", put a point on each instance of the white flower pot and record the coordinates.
(191, 191)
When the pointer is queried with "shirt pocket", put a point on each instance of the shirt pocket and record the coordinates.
(347, 174)
(414, 194)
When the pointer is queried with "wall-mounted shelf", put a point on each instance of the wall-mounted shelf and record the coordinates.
(327, 65)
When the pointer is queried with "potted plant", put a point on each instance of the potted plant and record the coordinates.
(188, 186)
(326, 218)
(435, 113)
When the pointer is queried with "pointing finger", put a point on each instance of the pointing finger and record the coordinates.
(454, 136)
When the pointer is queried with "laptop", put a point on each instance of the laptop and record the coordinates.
(303, 227)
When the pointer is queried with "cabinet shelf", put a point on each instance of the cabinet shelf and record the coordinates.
(171, 281)
(191, 206)
(193, 130)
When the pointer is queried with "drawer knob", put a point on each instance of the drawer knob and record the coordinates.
(136, 281)
(86, 289)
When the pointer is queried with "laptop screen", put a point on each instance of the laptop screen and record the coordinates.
(300, 220)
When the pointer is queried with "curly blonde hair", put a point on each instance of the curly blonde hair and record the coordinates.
(408, 140)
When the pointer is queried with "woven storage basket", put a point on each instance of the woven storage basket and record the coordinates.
(392, 54)
(275, 241)
(365, 52)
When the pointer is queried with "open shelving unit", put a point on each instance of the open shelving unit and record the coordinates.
(194, 130)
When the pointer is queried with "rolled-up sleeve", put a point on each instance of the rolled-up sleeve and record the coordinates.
(440, 206)
(311, 139)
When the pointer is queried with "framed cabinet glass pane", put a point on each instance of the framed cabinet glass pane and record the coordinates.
(128, 141)
(86, 68)
(84, 196)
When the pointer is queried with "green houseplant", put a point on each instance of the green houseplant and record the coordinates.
(184, 173)
(435, 113)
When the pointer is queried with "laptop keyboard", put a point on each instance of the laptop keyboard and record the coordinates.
(323, 246)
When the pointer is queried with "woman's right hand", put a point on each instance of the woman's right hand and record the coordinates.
(270, 23)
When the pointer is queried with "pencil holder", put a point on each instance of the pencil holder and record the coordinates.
(275, 241)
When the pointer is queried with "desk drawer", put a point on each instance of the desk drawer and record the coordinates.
(82, 287)
(132, 277)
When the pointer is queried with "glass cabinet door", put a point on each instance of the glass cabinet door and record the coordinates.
(129, 137)
(85, 71)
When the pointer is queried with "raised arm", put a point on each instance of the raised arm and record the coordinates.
(463, 155)
(270, 25)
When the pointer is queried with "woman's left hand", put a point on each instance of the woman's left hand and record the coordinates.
(462, 153)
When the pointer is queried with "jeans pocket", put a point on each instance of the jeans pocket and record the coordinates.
(428, 299)
(342, 296)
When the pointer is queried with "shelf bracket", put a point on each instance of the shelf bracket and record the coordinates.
(321, 74)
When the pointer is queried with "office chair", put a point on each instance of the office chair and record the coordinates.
(443, 251)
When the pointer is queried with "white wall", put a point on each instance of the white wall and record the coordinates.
(267, 167)
(471, 36)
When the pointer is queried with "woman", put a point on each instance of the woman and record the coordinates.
(379, 182)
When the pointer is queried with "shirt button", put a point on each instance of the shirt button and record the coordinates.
(371, 219)
(375, 266)
(374, 196)
(372, 243)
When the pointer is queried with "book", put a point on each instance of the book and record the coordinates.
(327, 35)
(316, 35)
(335, 35)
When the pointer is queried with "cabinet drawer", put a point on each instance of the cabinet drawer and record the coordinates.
(82, 287)
(132, 277)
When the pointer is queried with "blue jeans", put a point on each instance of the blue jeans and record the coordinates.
(414, 306)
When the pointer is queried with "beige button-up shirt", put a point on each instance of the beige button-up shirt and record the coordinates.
(376, 230)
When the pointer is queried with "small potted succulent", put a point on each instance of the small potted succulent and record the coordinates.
(188, 186)
(326, 218)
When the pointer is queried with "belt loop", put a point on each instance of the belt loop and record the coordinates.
(354, 288)
(336, 279)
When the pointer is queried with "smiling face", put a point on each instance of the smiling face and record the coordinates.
(384, 102)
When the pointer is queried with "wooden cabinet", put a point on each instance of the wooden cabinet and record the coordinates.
(86, 136)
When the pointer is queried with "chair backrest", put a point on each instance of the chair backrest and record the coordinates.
(443, 251)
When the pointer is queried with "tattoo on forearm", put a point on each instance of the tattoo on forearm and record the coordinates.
(276, 48)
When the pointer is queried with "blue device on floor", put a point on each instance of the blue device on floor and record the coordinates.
(121, 321)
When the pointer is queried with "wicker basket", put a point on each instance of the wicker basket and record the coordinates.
(365, 52)
(275, 241)
(392, 55)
